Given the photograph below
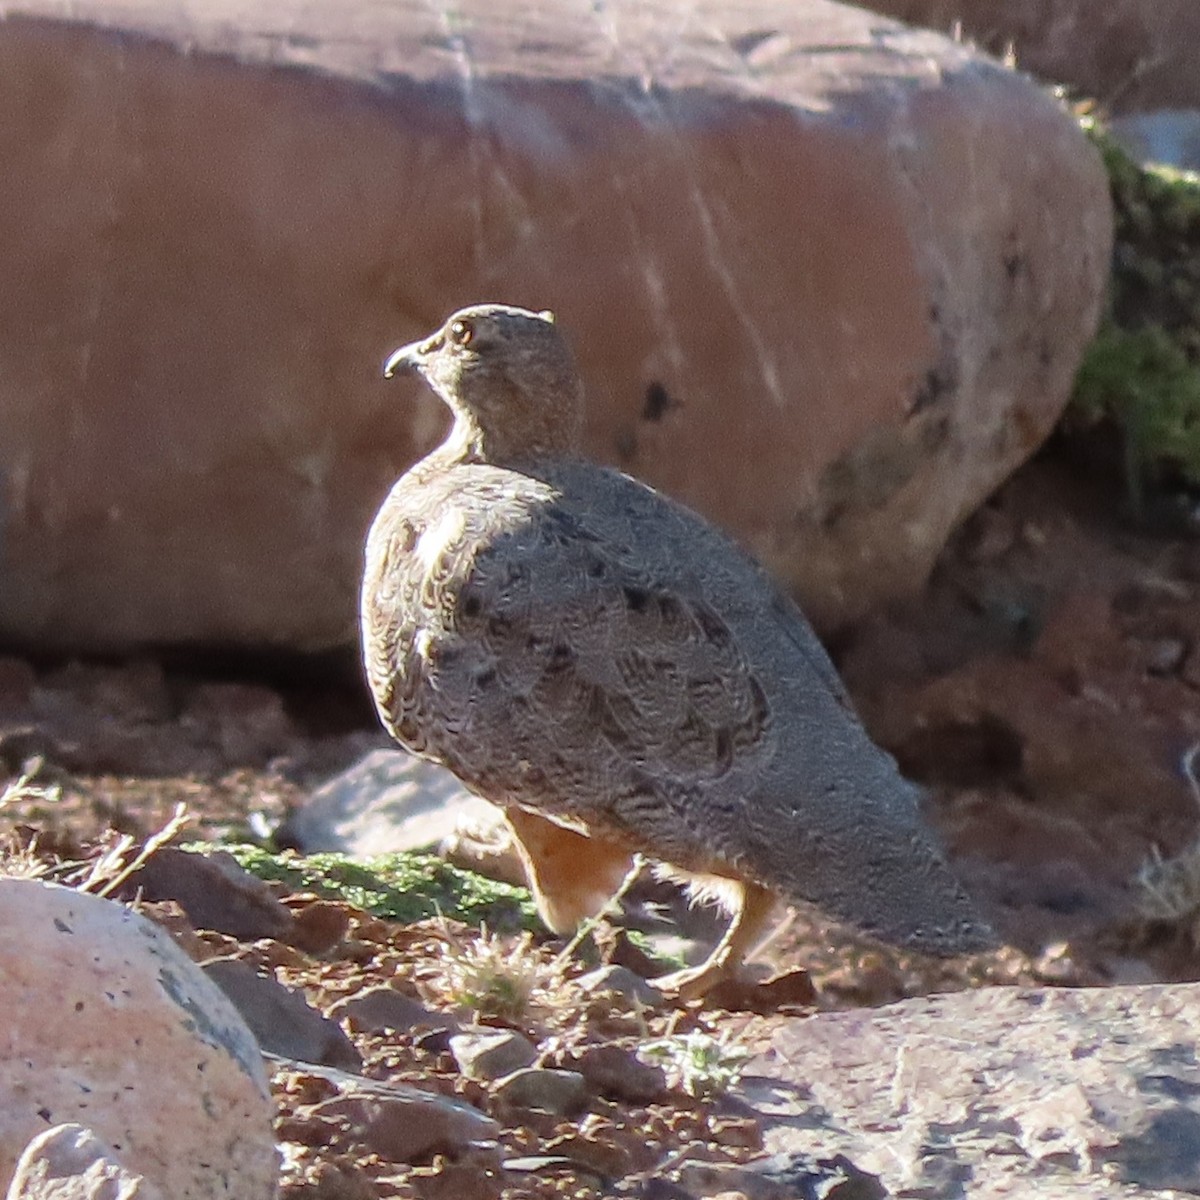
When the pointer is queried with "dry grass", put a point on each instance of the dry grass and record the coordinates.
(18, 860)
(496, 978)
(102, 875)
(118, 861)
(1168, 889)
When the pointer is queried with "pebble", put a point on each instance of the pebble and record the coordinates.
(68, 1162)
(563, 1093)
(488, 1056)
(620, 981)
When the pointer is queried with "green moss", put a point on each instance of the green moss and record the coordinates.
(1144, 381)
(1141, 374)
(398, 887)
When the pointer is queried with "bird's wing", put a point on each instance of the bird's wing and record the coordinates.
(567, 629)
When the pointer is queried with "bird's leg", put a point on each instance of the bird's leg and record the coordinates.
(746, 927)
(572, 875)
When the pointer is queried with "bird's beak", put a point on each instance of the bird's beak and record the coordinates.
(405, 361)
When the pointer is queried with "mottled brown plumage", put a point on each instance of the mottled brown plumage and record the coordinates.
(619, 676)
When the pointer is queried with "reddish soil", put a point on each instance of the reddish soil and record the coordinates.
(1046, 688)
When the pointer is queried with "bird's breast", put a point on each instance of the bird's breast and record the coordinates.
(441, 540)
(421, 589)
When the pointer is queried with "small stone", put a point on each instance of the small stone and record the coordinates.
(832, 1178)
(320, 926)
(488, 1056)
(325, 1180)
(136, 692)
(435, 1041)
(663, 1189)
(69, 1162)
(281, 1018)
(28, 748)
(387, 802)
(402, 1123)
(713, 1180)
(562, 1093)
(447, 1180)
(741, 1132)
(618, 1073)
(215, 891)
(247, 721)
(383, 1009)
(619, 981)
(606, 1158)
(169, 915)
(1165, 655)
(790, 990)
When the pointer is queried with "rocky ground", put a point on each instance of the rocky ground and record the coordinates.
(1046, 688)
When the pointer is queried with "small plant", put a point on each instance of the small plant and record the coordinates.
(19, 861)
(1169, 888)
(702, 1065)
(1143, 380)
(1141, 373)
(104, 875)
(120, 856)
(496, 978)
(1169, 891)
(25, 788)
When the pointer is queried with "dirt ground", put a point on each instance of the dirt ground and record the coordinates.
(1045, 688)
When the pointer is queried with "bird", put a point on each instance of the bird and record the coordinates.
(621, 678)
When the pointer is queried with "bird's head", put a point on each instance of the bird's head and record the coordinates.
(509, 378)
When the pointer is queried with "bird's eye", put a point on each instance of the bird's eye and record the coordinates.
(461, 332)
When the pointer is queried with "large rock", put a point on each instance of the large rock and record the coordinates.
(1130, 54)
(386, 803)
(1002, 1092)
(828, 278)
(107, 1024)
(281, 1018)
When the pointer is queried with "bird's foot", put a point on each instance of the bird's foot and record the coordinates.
(694, 982)
(754, 906)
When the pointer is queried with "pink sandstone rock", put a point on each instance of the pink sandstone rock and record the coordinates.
(109, 1025)
(828, 280)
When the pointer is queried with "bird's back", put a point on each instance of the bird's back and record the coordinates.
(565, 638)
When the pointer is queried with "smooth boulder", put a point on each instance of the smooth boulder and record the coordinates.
(109, 1025)
(828, 279)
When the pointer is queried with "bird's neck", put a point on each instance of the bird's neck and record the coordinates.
(470, 441)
